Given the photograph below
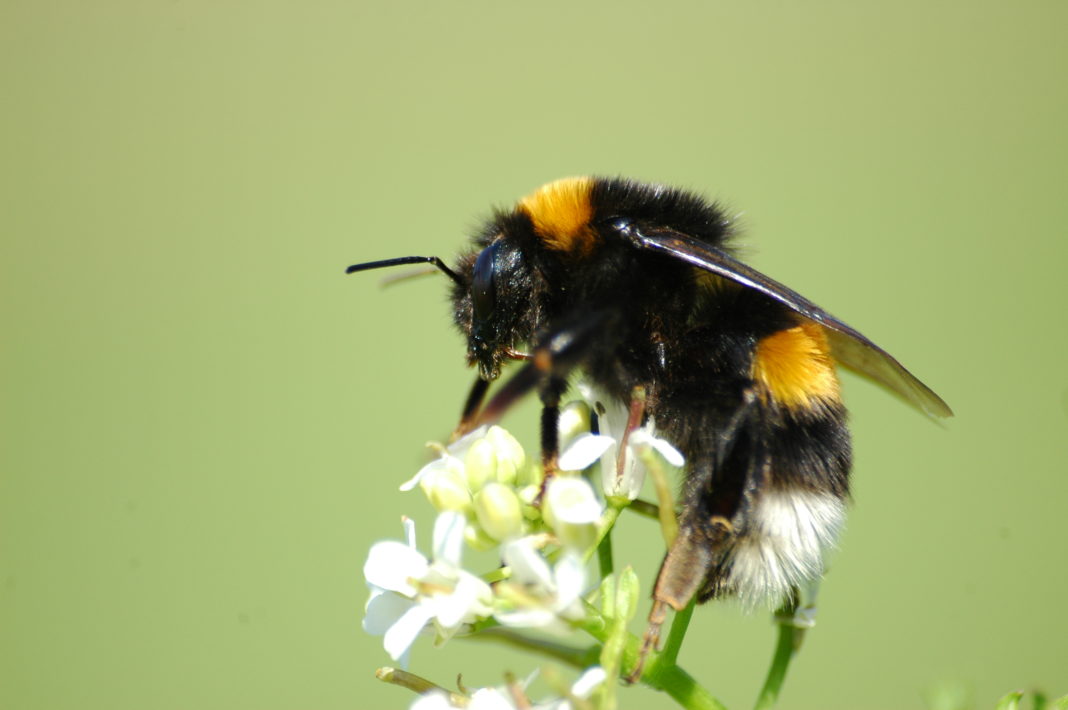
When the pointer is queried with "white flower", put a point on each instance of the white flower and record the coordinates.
(410, 592)
(536, 595)
(499, 511)
(587, 448)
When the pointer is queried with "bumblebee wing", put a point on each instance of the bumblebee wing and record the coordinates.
(849, 347)
(866, 358)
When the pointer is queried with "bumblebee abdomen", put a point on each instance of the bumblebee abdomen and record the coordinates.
(788, 532)
(793, 368)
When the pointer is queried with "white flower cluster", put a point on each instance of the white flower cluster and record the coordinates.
(480, 488)
(485, 490)
(410, 592)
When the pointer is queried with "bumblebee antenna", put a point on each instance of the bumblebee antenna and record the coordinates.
(401, 260)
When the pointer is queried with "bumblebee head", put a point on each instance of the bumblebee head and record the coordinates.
(493, 304)
(501, 291)
(495, 297)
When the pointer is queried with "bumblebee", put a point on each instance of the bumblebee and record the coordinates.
(637, 285)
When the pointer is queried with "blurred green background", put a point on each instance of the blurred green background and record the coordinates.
(205, 422)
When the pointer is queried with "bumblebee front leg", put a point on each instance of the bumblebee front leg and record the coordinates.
(550, 394)
(547, 370)
(470, 411)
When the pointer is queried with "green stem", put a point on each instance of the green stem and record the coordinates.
(684, 690)
(784, 651)
(610, 517)
(793, 619)
(669, 525)
(679, 624)
(658, 673)
(604, 556)
(418, 684)
(571, 655)
(644, 507)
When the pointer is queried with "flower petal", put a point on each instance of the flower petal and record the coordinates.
(662, 447)
(432, 700)
(584, 451)
(490, 699)
(468, 601)
(383, 610)
(459, 447)
(402, 634)
(588, 682)
(409, 531)
(535, 618)
(570, 578)
(528, 567)
(449, 537)
(421, 474)
(390, 564)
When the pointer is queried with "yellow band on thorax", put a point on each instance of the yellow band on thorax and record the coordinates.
(561, 212)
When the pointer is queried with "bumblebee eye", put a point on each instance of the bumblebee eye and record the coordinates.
(483, 293)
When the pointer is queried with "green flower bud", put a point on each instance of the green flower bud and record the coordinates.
(530, 475)
(510, 454)
(446, 488)
(480, 464)
(498, 511)
(527, 495)
(477, 539)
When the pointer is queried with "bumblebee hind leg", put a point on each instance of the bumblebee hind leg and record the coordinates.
(722, 479)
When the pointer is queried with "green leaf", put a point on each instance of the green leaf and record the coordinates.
(1010, 701)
